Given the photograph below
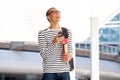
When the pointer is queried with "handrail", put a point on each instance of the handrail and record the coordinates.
(102, 48)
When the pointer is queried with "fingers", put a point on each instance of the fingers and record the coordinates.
(55, 41)
(59, 35)
(58, 38)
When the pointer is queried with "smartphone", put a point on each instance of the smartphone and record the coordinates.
(61, 34)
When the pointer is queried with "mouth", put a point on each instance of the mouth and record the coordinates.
(57, 17)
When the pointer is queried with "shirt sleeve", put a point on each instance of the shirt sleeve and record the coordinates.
(47, 49)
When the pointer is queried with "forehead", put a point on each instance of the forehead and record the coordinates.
(52, 9)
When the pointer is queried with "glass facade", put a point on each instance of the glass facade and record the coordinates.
(116, 18)
(110, 34)
(111, 31)
(109, 37)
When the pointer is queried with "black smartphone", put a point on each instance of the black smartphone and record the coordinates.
(61, 34)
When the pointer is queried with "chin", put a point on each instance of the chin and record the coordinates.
(58, 20)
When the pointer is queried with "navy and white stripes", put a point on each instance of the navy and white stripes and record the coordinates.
(51, 54)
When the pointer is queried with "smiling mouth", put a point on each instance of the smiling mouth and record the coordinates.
(57, 17)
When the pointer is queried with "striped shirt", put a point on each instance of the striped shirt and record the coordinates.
(51, 54)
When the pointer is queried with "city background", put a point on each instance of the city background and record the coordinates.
(20, 21)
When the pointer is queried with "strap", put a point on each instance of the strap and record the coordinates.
(65, 32)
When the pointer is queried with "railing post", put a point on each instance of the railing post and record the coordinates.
(94, 49)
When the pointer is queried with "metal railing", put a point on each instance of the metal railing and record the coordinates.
(102, 48)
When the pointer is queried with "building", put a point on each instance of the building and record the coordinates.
(109, 49)
(20, 61)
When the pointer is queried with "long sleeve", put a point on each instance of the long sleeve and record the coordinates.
(47, 49)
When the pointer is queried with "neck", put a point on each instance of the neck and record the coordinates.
(54, 26)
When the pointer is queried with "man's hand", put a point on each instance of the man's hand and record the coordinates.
(57, 39)
(66, 57)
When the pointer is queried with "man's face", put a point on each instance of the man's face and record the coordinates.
(54, 15)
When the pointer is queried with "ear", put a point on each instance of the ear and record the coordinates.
(48, 17)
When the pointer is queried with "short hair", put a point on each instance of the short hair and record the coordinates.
(48, 11)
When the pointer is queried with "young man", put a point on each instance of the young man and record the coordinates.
(51, 48)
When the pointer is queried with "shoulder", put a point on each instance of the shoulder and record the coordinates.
(42, 31)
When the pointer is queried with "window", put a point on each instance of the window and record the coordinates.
(82, 46)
